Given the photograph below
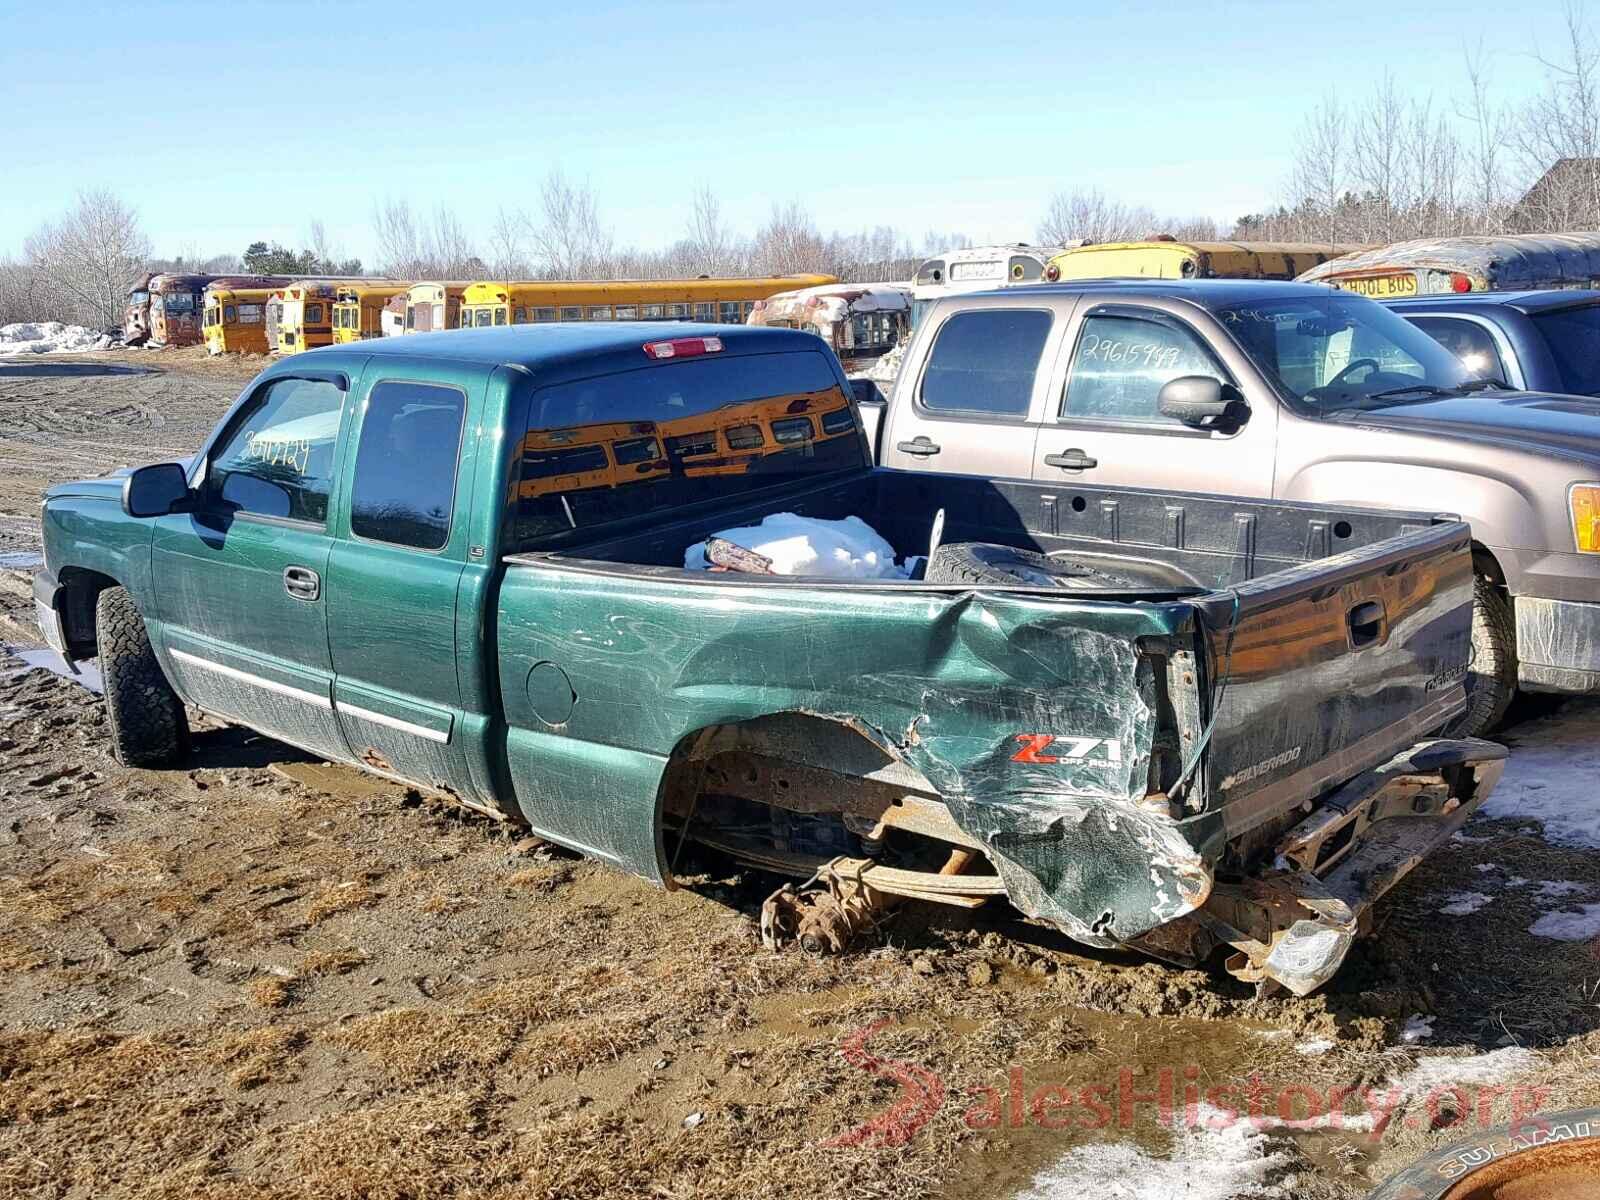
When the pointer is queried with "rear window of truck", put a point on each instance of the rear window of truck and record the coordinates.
(726, 427)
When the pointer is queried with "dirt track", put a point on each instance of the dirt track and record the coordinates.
(260, 976)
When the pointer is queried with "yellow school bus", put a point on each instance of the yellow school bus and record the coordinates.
(723, 301)
(236, 319)
(432, 306)
(1159, 259)
(358, 308)
(305, 315)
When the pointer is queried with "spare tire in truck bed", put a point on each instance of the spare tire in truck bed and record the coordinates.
(988, 562)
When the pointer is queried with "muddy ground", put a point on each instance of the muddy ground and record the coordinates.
(262, 976)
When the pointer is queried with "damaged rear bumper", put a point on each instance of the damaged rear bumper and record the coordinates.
(1294, 924)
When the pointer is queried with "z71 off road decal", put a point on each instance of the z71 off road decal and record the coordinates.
(1065, 749)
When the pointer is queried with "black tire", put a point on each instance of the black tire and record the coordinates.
(1492, 671)
(148, 725)
(983, 562)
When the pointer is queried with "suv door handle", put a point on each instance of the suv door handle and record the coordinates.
(919, 445)
(302, 583)
(1071, 460)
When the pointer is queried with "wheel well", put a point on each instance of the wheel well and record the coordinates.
(1484, 563)
(81, 589)
(799, 766)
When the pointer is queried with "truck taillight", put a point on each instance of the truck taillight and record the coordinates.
(1460, 282)
(683, 347)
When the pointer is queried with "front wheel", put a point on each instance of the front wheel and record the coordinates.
(148, 724)
(1492, 671)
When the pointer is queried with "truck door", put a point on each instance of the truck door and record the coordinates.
(393, 579)
(972, 406)
(1103, 426)
(240, 580)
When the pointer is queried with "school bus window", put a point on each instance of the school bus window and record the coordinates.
(653, 312)
(541, 464)
(411, 317)
(838, 421)
(693, 445)
(635, 450)
(745, 437)
(791, 430)
(705, 311)
(601, 312)
(730, 312)
(230, 314)
(313, 314)
(544, 314)
(627, 312)
(519, 315)
(250, 314)
(485, 316)
(677, 312)
(500, 314)
(572, 313)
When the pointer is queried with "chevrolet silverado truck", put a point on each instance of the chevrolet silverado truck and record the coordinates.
(1286, 391)
(458, 560)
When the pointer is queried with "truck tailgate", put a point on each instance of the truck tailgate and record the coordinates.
(1323, 670)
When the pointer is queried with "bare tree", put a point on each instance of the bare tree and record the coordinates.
(1490, 132)
(90, 257)
(1560, 128)
(569, 240)
(400, 253)
(710, 247)
(507, 259)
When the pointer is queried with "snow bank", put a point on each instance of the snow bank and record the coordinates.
(49, 337)
(1221, 1158)
(1581, 925)
(847, 549)
(1418, 1028)
(1550, 776)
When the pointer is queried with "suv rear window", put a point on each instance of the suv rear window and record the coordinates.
(984, 362)
(1573, 335)
(721, 424)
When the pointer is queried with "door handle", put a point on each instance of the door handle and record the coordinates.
(1071, 460)
(919, 446)
(302, 583)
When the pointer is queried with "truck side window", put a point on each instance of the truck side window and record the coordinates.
(278, 460)
(1121, 363)
(984, 362)
(1468, 341)
(405, 481)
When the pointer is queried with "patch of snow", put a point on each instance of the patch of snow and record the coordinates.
(883, 371)
(1219, 1158)
(847, 549)
(1553, 889)
(1417, 1028)
(1313, 1047)
(1487, 867)
(1550, 776)
(1461, 904)
(1438, 1072)
(1581, 925)
(49, 337)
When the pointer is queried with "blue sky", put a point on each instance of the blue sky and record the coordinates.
(236, 121)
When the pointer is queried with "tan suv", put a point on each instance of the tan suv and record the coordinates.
(1281, 390)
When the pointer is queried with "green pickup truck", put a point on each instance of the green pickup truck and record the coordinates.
(458, 560)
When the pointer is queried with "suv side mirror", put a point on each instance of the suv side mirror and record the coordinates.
(155, 491)
(1203, 402)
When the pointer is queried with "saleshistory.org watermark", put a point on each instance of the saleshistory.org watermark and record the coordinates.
(1173, 1097)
